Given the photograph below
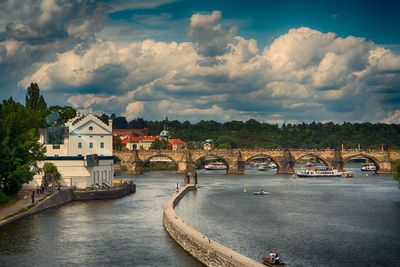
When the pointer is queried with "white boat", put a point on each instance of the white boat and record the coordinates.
(368, 166)
(263, 167)
(272, 165)
(318, 172)
(261, 192)
(215, 166)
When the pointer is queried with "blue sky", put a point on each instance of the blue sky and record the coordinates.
(276, 61)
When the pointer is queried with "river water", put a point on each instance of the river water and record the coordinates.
(311, 222)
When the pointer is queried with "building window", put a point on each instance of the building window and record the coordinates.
(90, 128)
(56, 146)
(91, 136)
(79, 145)
(101, 145)
(79, 136)
(102, 136)
(90, 145)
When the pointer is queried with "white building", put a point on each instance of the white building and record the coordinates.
(81, 149)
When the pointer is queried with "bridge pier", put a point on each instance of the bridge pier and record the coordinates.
(236, 164)
(286, 163)
(135, 165)
(337, 161)
(385, 166)
(185, 165)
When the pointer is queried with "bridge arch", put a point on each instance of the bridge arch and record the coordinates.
(313, 155)
(277, 162)
(200, 157)
(363, 155)
(148, 158)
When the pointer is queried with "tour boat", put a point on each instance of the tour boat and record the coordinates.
(368, 166)
(215, 166)
(261, 192)
(263, 167)
(318, 172)
(272, 165)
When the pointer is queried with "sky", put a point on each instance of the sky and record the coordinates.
(286, 61)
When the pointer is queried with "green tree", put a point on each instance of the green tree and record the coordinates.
(19, 147)
(33, 99)
(65, 112)
(159, 144)
(396, 170)
(52, 175)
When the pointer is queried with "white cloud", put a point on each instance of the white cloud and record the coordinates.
(303, 75)
(134, 110)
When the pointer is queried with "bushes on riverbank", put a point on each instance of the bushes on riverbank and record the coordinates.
(3, 198)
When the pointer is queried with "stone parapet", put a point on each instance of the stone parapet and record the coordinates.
(201, 247)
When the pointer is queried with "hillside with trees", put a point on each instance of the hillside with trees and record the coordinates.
(255, 134)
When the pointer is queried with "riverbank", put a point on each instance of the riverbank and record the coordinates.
(20, 209)
(201, 247)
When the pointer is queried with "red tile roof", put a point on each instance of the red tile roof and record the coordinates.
(176, 142)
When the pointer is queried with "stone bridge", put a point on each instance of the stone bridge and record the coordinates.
(235, 160)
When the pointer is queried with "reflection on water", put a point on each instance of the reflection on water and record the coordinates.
(312, 222)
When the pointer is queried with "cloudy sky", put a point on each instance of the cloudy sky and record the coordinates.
(275, 61)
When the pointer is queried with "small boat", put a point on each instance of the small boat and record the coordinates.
(318, 172)
(272, 260)
(261, 192)
(263, 167)
(347, 174)
(215, 166)
(272, 165)
(368, 166)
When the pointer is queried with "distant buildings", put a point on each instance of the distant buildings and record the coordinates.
(81, 149)
(208, 144)
(130, 139)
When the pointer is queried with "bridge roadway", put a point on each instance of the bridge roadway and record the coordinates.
(235, 159)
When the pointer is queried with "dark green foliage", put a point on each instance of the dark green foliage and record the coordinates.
(396, 170)
(254, 134)
(138, 123)
(33, 99)
(19, 147)
(65, 112)
(120, 123)
(159, 144)
(52, 175)
(3, 198)
(104, 118)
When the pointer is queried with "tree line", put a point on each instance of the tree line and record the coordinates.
(255, 134)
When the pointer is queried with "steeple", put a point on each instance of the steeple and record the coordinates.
(166, 123)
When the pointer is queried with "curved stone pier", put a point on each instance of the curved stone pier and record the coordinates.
(206, 250)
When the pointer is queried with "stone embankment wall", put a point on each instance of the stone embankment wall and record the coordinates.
(124, 190)
(67, 195)
(206, 250)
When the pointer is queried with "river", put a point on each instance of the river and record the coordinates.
(311, 222)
